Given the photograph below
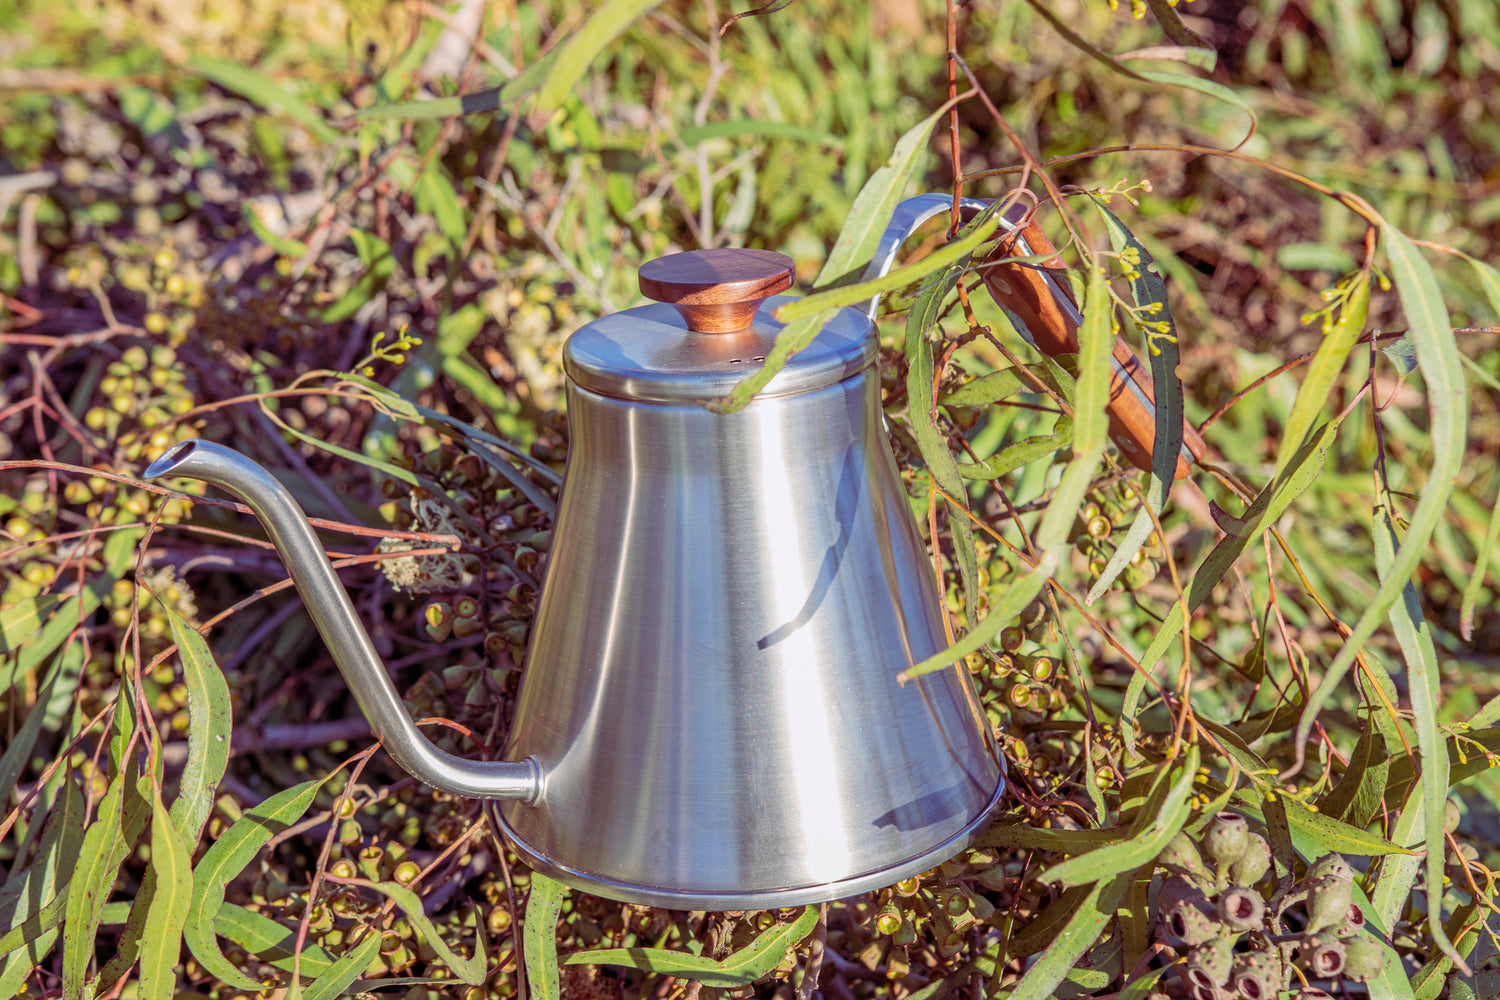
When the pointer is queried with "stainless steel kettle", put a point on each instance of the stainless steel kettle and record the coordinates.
(709, 716)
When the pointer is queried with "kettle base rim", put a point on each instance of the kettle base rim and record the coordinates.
(764, 899)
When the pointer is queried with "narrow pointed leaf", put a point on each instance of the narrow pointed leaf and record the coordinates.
(208, 729)
(468, 970)
(539, 937)
(605, 23)
(334, 982)
(741, 968)
(873, 206)
(223, 861)
(161, 946)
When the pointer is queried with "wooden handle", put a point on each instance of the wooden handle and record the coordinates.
(717, 291)
(1026, 292)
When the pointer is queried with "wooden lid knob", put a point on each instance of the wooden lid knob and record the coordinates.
(717, 291)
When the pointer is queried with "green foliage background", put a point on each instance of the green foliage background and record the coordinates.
(210, 211)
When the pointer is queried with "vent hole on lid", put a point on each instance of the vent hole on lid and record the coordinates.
(735, 361)
(761, 358)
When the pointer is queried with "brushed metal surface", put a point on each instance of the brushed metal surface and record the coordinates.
(711, 688)
(648, 354)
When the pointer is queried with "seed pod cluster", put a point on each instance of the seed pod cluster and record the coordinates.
(1210, 910)
(1104, 512)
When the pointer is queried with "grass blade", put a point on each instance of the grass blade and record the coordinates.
(260, 89)
(606, 23)
(1489, 280)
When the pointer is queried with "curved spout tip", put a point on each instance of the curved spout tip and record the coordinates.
(170, 459)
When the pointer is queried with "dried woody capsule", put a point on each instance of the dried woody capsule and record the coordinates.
(1242, 909)
(1185, 913)
(1256, 975)
(1208, 964)
(1322, 955)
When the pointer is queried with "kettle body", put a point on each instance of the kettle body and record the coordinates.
(711, 686)
(709, 716)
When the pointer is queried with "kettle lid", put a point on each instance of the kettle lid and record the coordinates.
(711, 327)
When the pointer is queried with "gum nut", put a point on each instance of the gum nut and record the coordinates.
(1327, 904)
(1191, 923)
(1225, 838)
(1322, 955)
(1182, 855)
(1209, 963)
(1241, 909)
(1363, 958)
(1253, 863)
(1255, 976)
(1330, 866)
(1176, 888)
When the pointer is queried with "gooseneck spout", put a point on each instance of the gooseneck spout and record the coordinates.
(333, 614)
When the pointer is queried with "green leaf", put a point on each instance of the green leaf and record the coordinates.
(351, 964)
(209, 725)
(1023, 452)
(932, 443)
(435, 195)
(1089, 431)
(283, 245)
(1209, 88)
(1148, 291)
(1044, 839)
(61, 681)
(1153, 829)
(268, 940)
(739, 969)
(539, 936)
(224, 860)
(1269, 505)
(805, 317)
(123, 812)
(22, 621)
(468, 970)
(161, 946)
(873, 206)
(55, 854)
(1094, 911)
(1437, 352)
(1317, 386)
(606, 23)
(1367, 770)
(260, 89)
(1489, 280)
